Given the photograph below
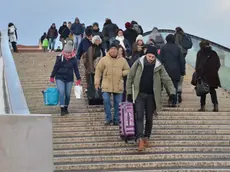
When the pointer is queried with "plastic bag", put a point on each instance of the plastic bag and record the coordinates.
(51, 96)
(78, 91)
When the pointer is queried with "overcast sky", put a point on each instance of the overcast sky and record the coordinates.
(205, 18)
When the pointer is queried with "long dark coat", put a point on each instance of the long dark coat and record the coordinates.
(208, 69)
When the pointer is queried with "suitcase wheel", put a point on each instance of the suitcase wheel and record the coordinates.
(126, 140)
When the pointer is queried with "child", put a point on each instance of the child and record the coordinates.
(45, 44)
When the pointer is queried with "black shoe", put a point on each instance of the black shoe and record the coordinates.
(107, 123)
(179, 98)
(216, 108)
(66, 110)
(115, 123)
(63, 112)
(202, 109)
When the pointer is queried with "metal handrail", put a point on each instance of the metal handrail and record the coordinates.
(192, 36)
(16, 99)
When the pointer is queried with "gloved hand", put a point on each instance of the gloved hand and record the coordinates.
(52, 80)
(171, 97)
(130, 98)
(78, 82)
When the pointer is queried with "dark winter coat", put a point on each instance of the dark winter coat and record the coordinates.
(130, 35)
(109, 31)
(179, 38)
(63, 70)
(208, 70)
(77, 29)
(83, 47)
(64, 32)
(173, 61)
(97, 32)
(52, 33)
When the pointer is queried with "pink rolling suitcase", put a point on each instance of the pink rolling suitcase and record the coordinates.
(127, 122)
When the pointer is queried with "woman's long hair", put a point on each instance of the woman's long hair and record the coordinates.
(123, 51)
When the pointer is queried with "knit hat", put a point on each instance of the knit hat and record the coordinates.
(128, 25)
(152, 50)
(96, 37)
(95, 24)
(69, 46)
(113, 45)
(139, 37)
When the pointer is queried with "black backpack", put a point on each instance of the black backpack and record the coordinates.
(186, 42)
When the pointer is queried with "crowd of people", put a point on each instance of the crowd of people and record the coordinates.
(130, 69)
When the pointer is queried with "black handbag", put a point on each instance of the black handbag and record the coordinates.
(202, 87)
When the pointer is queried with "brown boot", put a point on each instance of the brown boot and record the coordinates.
(141, 145)
(202, 109)
(146, 141)
(216, 108)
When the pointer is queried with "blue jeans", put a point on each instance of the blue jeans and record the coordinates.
(176, 84)
(77, 40)
(52, 43)
(64, 89)
(117, 98)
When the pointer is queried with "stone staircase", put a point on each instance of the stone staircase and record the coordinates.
(183, 140)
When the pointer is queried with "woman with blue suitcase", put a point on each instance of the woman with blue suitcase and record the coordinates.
(65, 66)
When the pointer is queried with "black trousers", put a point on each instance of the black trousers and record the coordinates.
(213, 97)
(144, 106)
(14, 45)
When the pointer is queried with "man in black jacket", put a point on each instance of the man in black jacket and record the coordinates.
(64, 33)
(174, 62)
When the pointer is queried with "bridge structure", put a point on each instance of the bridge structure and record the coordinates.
(35, 138)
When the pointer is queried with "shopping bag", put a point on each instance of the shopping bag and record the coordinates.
(78, 91)
(51, 96)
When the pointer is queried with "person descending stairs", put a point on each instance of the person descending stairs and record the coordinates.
(182, 139)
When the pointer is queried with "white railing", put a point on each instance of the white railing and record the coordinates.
(12, 99)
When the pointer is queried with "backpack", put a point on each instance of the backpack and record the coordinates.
(136, 27)
(186, 42)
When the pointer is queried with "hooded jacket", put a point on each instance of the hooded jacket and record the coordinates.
(160, 78)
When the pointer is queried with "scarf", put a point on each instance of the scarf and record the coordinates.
(68, 56)
(121, 40)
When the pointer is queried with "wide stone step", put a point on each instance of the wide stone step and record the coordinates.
(109, 128)
(132, 150)
(152, 142)
(140, 157)
(155, 122)
(155, 137)
(159, 117)
(145, 164)
(93, 133)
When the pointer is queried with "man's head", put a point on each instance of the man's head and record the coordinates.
(113, 50)
(151, 54)
(95, 26)
(69, 24)
(53, 25)
(64, 23)
(170, 39)
(77, 21)
(88, 33)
